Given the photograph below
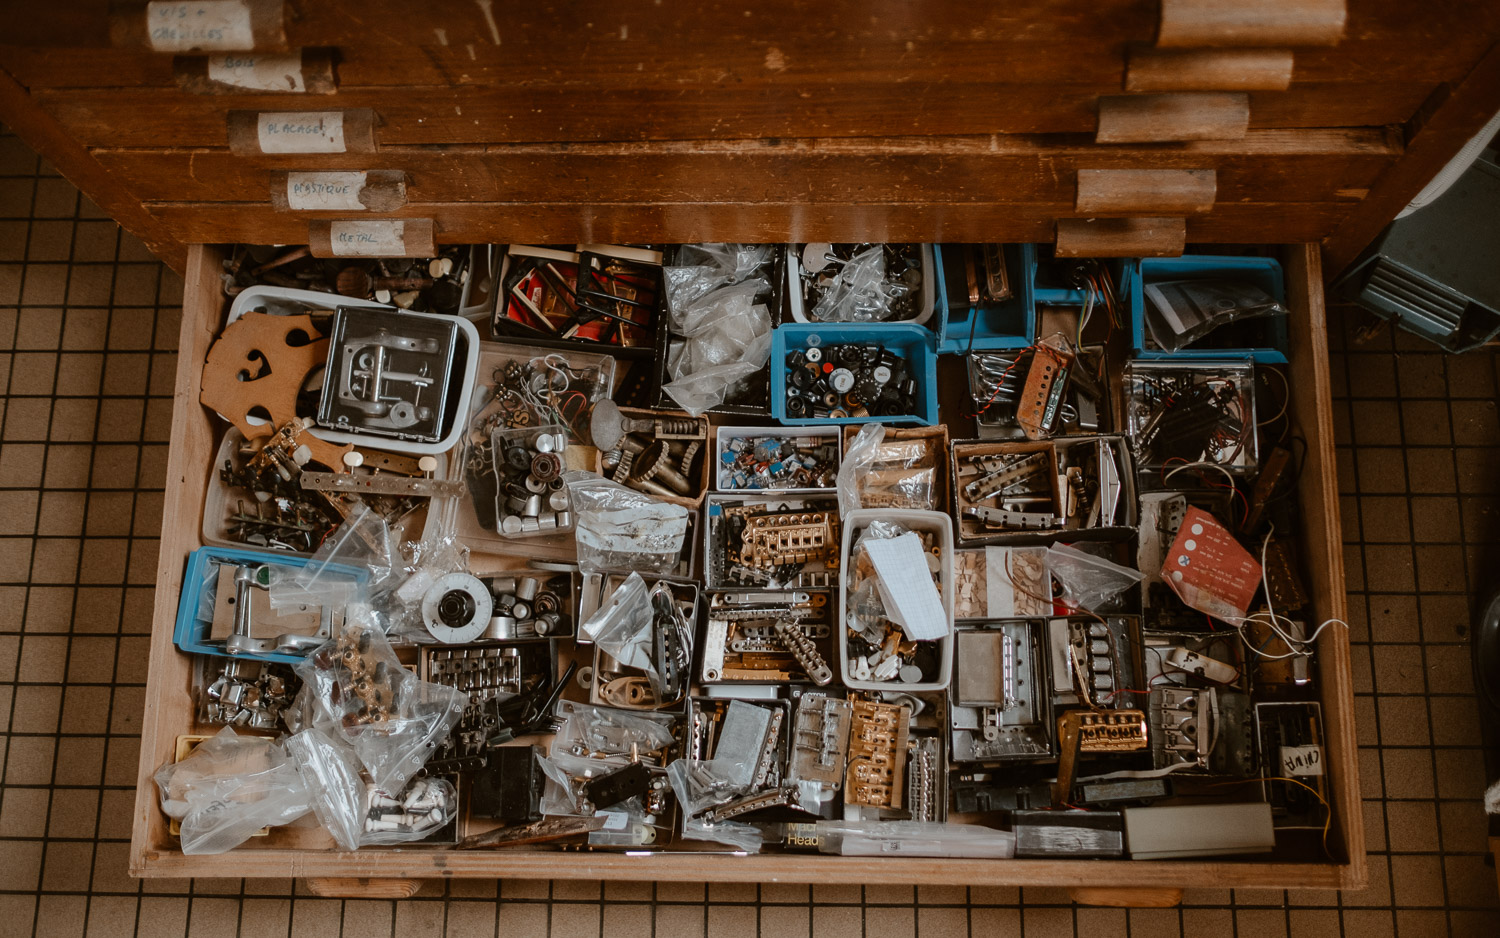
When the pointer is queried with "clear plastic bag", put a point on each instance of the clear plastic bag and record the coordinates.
(859, 291)
(914, 839)
(1180, 312)
(330, 772)
(421, 809)
(228, 788)
(622, 625)
(424, 563)
(592, 736)
(618, 528)
(363, 540)
(1089, 582)
(728, 339)
(355, 687)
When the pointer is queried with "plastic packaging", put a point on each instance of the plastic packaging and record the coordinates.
(1089, 582)
(355, 688)
(363, 540)
(1180, 312)
(914, 839)
(857, 460)
(728, 338)
(619, 528)
(424, 562)
(329, 771)
(423, 808)
(859, 291)
(591, 736)
(622, 625)
(228, 788)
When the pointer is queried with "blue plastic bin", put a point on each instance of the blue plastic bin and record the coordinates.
(1009, 324)
(1045, 291)
(191, 632)
(917, 344)
(1264, 272)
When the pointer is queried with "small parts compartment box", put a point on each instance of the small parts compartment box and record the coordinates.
(970, 277)
(849, 368)
(1263, 339)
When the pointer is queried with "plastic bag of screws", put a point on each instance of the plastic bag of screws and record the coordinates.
(228, 788)
(622, 529)
(422, 809)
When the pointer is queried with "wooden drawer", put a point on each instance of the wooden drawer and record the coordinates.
(169, 709)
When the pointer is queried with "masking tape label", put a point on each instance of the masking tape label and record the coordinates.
(368, 238)
(300, 131)
(325, 191)
(258, 72)
(202, 26)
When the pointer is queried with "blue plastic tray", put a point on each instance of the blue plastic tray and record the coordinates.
(916, 344)
(191, 633)
(1011, 324)
(1264, 272)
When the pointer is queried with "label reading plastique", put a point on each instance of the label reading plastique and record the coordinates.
(300, 131)
(367, 238)
(205, 25)
(325, 191)
(257, 72)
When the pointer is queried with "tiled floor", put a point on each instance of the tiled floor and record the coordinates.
(87, 329)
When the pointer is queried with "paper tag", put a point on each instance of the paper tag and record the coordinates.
(204, 25)
(905, 584)
(1302, 760)
(257, 71)
(300, 131)
(613, 820)
(1208, 569)
(325, 191)
(368, 238)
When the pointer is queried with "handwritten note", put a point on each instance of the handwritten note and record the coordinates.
(257, 71)
(325, 191)
(206, 25)
(1302, 760)
(368, 238)
(905, 585)
(300, 131)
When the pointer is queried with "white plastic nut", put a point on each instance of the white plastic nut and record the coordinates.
(354, 459)
(887, 669)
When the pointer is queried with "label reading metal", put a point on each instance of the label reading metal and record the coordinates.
(325, 191)
(257, 71)
(300, 131)
(368, 238)
(221, 25)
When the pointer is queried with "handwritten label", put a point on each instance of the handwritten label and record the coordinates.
(368, 238)
(325, 191)
(1301, 760)
(205, 25)
(301, 132)
(257, 72)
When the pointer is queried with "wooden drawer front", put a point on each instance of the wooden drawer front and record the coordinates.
(169, 709)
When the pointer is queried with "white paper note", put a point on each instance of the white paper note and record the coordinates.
(905, 584)
(368, 238)
(337, 192)
(206, 25)
(258, 71)
(300, 131)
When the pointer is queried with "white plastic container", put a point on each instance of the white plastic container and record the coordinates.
(800, 314)
(923, 522)
(284, 301)
(725, 435)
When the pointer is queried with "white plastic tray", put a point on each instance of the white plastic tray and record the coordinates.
(794, 289)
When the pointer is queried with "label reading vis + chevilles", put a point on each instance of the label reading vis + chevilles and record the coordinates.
(206, 25)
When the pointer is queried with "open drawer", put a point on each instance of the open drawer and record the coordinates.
(392, 872)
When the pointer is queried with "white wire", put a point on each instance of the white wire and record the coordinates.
(1167, 477)
(1298, 646)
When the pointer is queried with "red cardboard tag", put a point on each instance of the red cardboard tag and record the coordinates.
(1208, 569)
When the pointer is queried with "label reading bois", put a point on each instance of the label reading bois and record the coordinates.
(204, 26)
(300, 132)
(325, 191)
(368, 238)
(257, 71)
(1302, 760)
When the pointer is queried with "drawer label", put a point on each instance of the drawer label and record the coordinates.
(257, 71)
(368, 238)
(325, 191)
(203, 26)
(300, 132)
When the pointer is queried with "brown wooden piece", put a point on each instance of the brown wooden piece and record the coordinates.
(1450, 122)
(1127, 898)
(1208, 70)
(353, 888)
(191, 74)
(416, 236)
(128, 27)
(243, 128)
(384, 191)
(1121, 237)
(1177, 116)
(1141, 191)
(1192, 23)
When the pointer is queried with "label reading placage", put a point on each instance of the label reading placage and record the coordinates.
(257, 72)
(368, 238)
(325, 191)
(205, 25)
(300, 132)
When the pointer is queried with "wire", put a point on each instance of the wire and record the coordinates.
(1327, 808)
(1272, 620)
(1286, 397)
